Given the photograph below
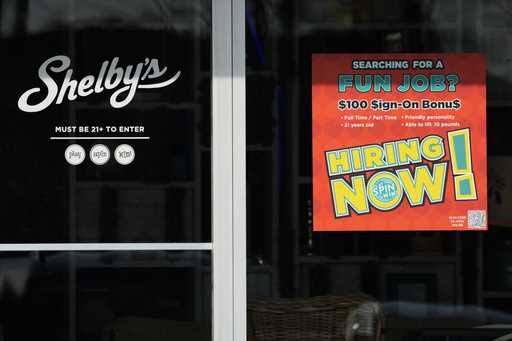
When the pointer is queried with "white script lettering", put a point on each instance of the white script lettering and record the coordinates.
(111, 77)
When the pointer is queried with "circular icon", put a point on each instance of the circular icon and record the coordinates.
(74, 154)
(385, 190)
(99, 154)
(124, 154)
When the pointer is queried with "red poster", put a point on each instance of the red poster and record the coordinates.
(399, 142)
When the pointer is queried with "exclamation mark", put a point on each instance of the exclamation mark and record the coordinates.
(460, 152)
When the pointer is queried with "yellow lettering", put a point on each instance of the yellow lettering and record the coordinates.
(345, 195)
(373, 157)
(432, 148)
(338, 162)
(357, 162)
(390, 153)
(408, 151)
(424, 183)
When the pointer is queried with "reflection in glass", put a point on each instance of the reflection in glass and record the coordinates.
(156, 198)
(428, 286)
(105, 296)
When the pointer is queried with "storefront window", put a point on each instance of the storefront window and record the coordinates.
(157, 196)
(98, 296)
(416, 285)
(106, 147)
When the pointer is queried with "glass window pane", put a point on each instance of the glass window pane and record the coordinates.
(122, 296)
(422, 286)
(104, 75)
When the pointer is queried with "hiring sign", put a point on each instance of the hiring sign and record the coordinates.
(399, 142)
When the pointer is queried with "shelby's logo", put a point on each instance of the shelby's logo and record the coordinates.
(126, 80)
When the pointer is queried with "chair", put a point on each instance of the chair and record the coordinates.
(324, 318)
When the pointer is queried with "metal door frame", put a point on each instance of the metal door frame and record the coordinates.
(228, 246)
(228, 168)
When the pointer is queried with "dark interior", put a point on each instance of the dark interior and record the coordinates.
(427, 285)
(425, 282)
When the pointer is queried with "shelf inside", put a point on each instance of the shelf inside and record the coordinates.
(367, 259)
(133, 185)
(497, 294)
(148, 105)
